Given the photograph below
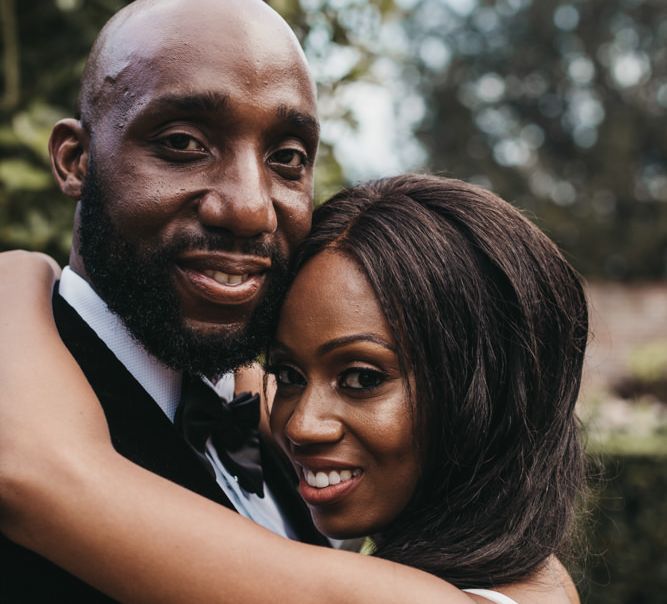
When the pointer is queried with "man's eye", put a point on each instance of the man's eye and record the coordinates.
(362, 379)
(288, 376)
(291, 158)
(183, 142)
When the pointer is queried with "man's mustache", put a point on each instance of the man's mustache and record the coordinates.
(223, 242)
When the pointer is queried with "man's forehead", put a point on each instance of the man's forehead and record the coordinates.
(211, 87)
(247, 52)
(180, 49)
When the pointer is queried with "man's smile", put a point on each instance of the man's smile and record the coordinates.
(222, 278)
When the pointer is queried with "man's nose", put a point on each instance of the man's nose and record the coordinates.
(314, 420)
(238, 200)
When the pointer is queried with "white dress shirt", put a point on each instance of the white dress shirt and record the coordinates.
(163, 384)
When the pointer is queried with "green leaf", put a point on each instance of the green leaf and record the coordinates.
(33, 127)
(19, 175)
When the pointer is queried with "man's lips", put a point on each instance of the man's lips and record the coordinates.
(223, 278)
(225, 262)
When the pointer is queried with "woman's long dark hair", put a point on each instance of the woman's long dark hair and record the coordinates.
(491, 321)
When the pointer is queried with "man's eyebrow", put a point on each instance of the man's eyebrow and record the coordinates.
(201, 102)
(300, 120)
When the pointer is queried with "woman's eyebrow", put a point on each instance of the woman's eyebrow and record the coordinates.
(278, 347)
(357, 337)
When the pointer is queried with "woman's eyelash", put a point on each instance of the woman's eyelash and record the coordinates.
(292, 376)
(366, 378)
(353, 378)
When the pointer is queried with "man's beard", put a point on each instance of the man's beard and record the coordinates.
(139, 288)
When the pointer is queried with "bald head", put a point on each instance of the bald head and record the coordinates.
(181, 33)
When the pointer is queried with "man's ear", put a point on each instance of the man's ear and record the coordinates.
(68, 149)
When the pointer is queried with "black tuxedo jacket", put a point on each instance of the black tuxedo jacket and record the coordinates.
(141, 432)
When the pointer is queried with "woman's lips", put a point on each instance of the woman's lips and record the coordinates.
(338, 485)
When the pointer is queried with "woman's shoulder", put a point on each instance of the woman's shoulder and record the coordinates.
(551, 584)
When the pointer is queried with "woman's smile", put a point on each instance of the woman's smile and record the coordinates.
(322, 486)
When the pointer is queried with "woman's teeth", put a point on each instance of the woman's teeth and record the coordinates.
(226, 278)
(321, 480)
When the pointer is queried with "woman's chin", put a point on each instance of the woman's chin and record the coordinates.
(344, 528)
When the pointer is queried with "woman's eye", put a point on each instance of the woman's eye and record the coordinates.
(288, 376)
(292, 158)
(183, 142)
(362, 379)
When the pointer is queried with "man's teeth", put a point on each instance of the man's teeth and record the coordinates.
(226, 278)
(320, 480)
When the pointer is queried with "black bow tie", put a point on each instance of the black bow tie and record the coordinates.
(232, 426)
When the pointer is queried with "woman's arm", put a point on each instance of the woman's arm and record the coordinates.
(65, 493)
(142, 539)
(31, 352)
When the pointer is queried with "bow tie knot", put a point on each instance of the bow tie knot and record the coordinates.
(232, 427)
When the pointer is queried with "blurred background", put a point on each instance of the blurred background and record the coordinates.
(559, 106)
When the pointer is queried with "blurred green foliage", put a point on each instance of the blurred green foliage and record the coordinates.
(649, 362)
(646, 378)
(626, 562)
(47, 48)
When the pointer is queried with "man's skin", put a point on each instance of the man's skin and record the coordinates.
(201, 117)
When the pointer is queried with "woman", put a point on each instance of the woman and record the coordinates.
(427, 360)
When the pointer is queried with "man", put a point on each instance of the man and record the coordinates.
(191, 160)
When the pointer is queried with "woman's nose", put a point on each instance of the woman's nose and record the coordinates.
(314, 421)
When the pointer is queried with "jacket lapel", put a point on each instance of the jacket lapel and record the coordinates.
(139, 429)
